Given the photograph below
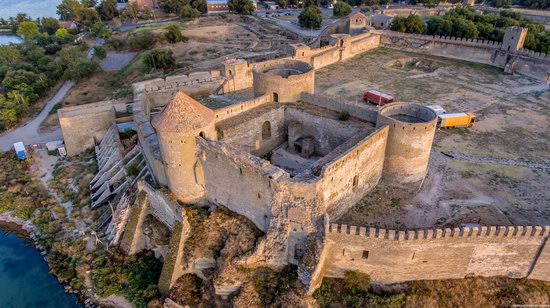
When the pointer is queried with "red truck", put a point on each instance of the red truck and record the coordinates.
(377, 98)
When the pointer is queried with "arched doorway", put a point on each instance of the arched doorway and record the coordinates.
(266, 130)
(275, 97)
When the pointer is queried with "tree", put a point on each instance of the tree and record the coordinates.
(310, 18)
(88, 16)
(188, 11)
(243, 7)
(50, 25)
(133, 10)
(439, 26)
(159, 59)
(464, 28)
(68, 9)
(341, 9)
(8, 111)
(282, 3)
(99, 30)
(63, 34)
(108, 9)
(173, 35)
(28, 30)
(409, 24)
(172, 6)
(312, 3)
(70, 55)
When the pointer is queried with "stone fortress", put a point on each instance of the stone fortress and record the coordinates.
(291, 162)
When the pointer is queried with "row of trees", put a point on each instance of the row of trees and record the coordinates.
(466, 22)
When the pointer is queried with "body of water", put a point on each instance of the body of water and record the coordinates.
(24, 277)
(33, 8)
(6, 39)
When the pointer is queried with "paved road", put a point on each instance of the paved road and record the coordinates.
(28, 132)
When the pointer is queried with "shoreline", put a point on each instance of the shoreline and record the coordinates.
(27, 231)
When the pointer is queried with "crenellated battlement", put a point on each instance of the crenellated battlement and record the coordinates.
(437, 233)
(533, 54)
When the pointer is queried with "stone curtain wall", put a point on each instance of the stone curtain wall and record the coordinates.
(392, 256)
(347, 179)
(238, 180)
(358, 110)
(235, 109)
(328, 133)
(245, 131)
(81, 124)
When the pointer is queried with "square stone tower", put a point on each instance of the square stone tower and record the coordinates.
(514, 37)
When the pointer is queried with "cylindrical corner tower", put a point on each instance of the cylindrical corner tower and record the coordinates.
(180, 123)
(410, 138)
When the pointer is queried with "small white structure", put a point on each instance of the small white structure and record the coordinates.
(20, 150)
(437, 109)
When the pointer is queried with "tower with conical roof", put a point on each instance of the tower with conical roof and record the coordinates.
(180, 123)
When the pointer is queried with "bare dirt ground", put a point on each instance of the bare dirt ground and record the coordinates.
(499, 170)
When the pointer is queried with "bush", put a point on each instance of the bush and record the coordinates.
(100, 52)
(116, 43)
(356, 282)
(141, 40)
(81, 70)
(409, 24)
(310, 18)
(341, 8)
(173, 35)
(343, 116)
(159, 59)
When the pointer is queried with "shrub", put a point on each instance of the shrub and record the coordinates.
(116, 43)
(159, 59)
(100, 52)
(173, 35)
(356, 282)
(141, 40)
(341, 8)
(81, 70)
(343, 116)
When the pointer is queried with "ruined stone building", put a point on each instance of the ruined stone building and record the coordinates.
(292, 161)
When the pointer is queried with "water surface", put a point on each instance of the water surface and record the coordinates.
(33, 8)
(24, 277)
(6, 39)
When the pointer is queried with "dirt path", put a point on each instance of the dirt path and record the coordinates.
(501, 161)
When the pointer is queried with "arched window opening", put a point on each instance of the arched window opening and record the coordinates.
(266, 130)
(275, 97)
(202, 134)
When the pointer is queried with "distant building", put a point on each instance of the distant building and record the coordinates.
(69, 25)
(381, 21)
(217, 6)
(271, 5)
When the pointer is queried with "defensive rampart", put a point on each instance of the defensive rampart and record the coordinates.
(357, 110)
(83, 125)
(393, 256)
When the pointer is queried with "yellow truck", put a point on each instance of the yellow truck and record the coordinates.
(449, 120)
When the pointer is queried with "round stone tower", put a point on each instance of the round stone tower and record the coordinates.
(284, 79)
(410, 137)
(180, 123)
